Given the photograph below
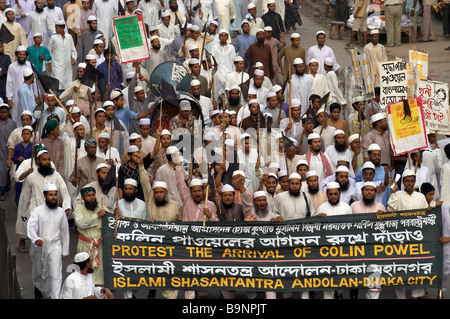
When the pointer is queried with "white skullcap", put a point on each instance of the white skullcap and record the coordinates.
(92, 18)
(27, 72)
(251, 5)
(353, 137)
(134, 136)
(195, 28)
(114, 94)
(367, 165)
(82, 65)
(209, 136)
(223, 31)
(276, 88)
(342, 168)
(50, 187)
(165, 14)
(70, 102)
(282, 173)
(37, 34)
(227, 188)
(193, 61)
(21, 48)
(369, 184)
(235, 87)
(268, 28)
(377, 117)
(214, 22)
(130, 75)
(76, 124)
(313, 61)
(245, 21)
(138, 88)
(320, 32)
(130, 181)
(132, 149)
(374, 31)
(260, 30)
(172, 150)
(311, 173)
(329, 61)
(295, 103)
(272, 175)
(339, 131)
(27, 127)
(80, 257)
(332, 185)
(102, 165)
(104, 135)
(196, 182)
(295, 35)
(41, 152)
(298, 61)
(165, 131)
(238, 172)
(90, 57)
(258, 65)
(195, 82)
(106, 104)
(252, 91)
(60, 22)
(294, 176)
(159, 184)
(374, 147)
(271, 94)
(358, 98)
(302, 162)
(259, 72)
(153, 37)
(8, 9)
(321, 110)
(238, 58)
(252, 101)
(144, 121)
(98, 41)
(313, 136)
(26, 112)
(259, 194)
(408, 172)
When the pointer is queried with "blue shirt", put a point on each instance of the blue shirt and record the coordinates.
(26, 100)
(126, 116)
(242, 43)
(379, 174)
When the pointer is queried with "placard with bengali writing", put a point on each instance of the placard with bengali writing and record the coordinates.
(131, 38)
(337, 252)
(393, 82)
(435, 105)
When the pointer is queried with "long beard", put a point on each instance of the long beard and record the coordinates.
(261, 212)
(368, 201)
(295, 194)
(340, 147)
(227, 206)
(344, 187)
(161, 203)
(22, 62)
(45, 170)
(129, 197)
(233, 101)
(313, 191)
(299, 73)
(91, 205)
(39, 10)
(51, 205)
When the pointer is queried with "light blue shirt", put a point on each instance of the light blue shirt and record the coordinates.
(26, 101)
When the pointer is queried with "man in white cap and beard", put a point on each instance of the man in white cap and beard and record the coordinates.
(48, 231)
(80, 283)
(302, 84)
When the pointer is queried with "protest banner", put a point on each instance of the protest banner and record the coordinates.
(131, 38)
(393, 84)
(420, 60)
(369, 87)
(353, 251)
(356, 69)
(411, 80)
(406, 126)
(435, 105)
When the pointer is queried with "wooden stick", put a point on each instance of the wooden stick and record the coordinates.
(206, 204)
(117, 202)
(290, 97)
(60, 104)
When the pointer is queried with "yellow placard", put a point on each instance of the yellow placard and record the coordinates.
(406, 126)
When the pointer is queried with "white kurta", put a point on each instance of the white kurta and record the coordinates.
(169, 175)
(79, 286)
(69, 160)
(247, 163)
(302, 88)
(336, 94)
(170, 32)
(50, 226)
(105, 10)
(290, 207)
(62, 51)
(150, 11)
(224, 56)
(327, 134)
(432, 160)
(333, 210)
(134, 209)
(320, 54)
(320, 85)
(225, 12)
(335, 156)
(42, 23)
(445, 183)
(401, 200)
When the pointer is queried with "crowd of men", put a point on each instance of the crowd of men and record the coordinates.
(288, 147)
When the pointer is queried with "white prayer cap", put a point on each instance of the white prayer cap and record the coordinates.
(244, 135)
(258, 72)
(26, 112)
(132, 149)
(172, 150)
(369, 184)
(295, 103)
(60, 23)
(165, 131)
(313, 60)
(153, 37)
(329, 61)
(260, 30)
(302, 162)
(134, 136)
(252, 91)
(97, 41)
(251, 5)
(223, 31)
(130, 181)
(377, 117)
(374, 147)
(50, 187)
(235, 87)
(104, 135)
(185, 105)
(107, 103)
(269, 95)
(268, 28)
(21, 48)
(295, 35)
(352, 138)
(238, 172)
(313, 136)
(130, 75)
(8, 9)
(82, 65)
(339, 131)
(37, 34)
(165, 14)
(75, 109)
(252, 101)
(195, 28)
(238, 58)
(27, 72)
(160, 184)
(271, 2)
(195, 82)
(374, 31)
(282, 173)
(144, 121)
(321, 110)
(272, 175)
(245, 21)
(41, 152)
(311, 173)
(332, 185)
(76, 124)
(408, 172)
(295, 176)
(90, 57)
(138, 88)
(358, 98)
(234, 112)
(342, 168)
(298, 61)
(193, 61)
(367, 165)
(92, 18)
(80, 257)
(214, 22)
(214, 112)
(27, 127)
(196, 182)
(70, 102)
(102, 165)
(276, 88)
(227, 188)
(320, 32)
(115, 94)
(258, 65)
(259, 194)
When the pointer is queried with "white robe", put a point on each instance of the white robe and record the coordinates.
(42, 23)
(432, 160)
(401, 200)
(105, 12)
(169, 175)
(290, 207)
(247, 163)
(50, 226)
(335, 156)
(150, 11)
(134, 209)
(62, 51)
(69, 160)
(79, 286)
(333, 210)
(302, 88)
(225, 12)
(320, 85)
(445, 183)
(224, 56)
(320, 55)
(336, 94)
